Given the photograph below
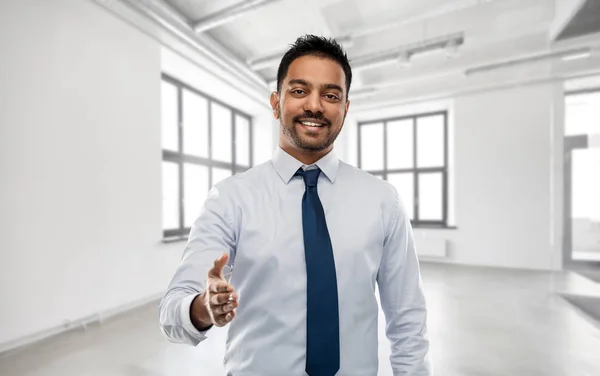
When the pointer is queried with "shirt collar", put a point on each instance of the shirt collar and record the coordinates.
(286, 165)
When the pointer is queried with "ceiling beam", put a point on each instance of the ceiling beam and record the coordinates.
(451, 92)
(272, 60)
(175, 33)
(394, 55)
(373, 88)
(564, 12)
(229, 14)
(583, 52)
(403, 54)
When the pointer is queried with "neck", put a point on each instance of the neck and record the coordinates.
(307, 157)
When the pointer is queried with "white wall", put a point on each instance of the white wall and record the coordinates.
(504, 188)
(80, 170)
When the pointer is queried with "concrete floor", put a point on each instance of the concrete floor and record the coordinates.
(483, 322)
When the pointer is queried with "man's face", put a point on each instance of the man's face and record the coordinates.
(312, 105)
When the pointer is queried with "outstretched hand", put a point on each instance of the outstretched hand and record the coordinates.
(219, 299)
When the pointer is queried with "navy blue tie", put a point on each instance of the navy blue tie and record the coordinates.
(322, 318)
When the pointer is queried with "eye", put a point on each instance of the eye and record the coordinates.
(331, 96)
(298, 91)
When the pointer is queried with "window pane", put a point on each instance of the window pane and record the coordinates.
(404, 184)
(170, 195)
(586, 184)
(371, 146)
(221, 133)
(195, 187)
(220, 174)
(430, 196)
(263, 144)
(430, 141)
(195, 124)
(585, 210)
(400, 144)
(242, 141)
(582, 114)
(169, 117)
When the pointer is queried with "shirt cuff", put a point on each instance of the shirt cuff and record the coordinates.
(186, 319)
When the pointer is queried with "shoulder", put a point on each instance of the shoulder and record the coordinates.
(373, 190)
(368, 183)
(245, 180)
(226, 195)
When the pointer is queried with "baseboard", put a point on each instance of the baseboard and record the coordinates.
(96, 318)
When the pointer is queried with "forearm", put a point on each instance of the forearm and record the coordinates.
(199, 314)
(176, 320)
(403, 301)
(210, 236)
(409, 354)
(406, 329)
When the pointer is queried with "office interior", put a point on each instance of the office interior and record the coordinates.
(118, 116)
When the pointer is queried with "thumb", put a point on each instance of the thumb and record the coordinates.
(217, 270)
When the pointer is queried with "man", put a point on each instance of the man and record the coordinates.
(309, 238)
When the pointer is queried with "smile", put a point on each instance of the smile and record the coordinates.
(311, 124)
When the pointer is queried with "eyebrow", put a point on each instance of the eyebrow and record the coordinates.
(334, 87)
(298, 81)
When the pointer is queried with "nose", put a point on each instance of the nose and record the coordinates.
(313, 103)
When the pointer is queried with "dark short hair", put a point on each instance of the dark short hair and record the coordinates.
(316, 46)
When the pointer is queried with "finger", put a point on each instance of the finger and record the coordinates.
(220, 299)
(217, 270)
(223, 309)
(220, 287)
(225, 319)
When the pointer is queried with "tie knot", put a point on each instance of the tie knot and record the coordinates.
(310, 176)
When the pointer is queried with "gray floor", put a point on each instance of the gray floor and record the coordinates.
(483, 322)
(592, 272)
(586, 304)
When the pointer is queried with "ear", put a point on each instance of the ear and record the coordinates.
(346, 111)
(275, 104)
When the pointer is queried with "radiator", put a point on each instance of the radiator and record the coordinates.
(431, 247)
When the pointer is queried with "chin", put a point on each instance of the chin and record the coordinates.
(312, 146)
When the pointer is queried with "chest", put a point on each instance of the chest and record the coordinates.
(270, 235)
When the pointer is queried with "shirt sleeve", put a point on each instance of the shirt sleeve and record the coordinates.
(211, 235)
(401, 296)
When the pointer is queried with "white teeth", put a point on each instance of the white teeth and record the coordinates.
(311, 124)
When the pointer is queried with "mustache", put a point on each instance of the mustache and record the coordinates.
(312, 115)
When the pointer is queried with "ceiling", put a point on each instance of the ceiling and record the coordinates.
(401, 48)
(586, 21)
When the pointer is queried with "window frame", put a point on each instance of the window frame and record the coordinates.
(180, 158)
(416, 171)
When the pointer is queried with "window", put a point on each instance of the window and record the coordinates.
(203, 141)
(411, 153)
(582, 113)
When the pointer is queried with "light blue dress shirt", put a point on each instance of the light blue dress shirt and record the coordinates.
(256, 217)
